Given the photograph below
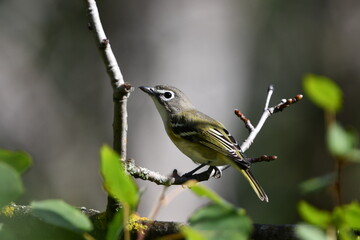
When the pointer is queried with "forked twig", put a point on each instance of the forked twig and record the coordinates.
(268, 111)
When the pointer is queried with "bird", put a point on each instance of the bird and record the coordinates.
(201, 138)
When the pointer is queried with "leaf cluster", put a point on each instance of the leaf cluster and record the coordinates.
(48, 213)
(343, 222)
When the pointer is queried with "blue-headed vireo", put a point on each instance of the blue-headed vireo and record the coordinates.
(198, 136)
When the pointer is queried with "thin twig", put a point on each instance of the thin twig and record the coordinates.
(337, 184)
(268, 98)
(165, 199)
(286, 103)
(159, 204)
(263, 158)
(247, 122)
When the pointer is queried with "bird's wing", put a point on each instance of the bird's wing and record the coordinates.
(211, 134)
(220, 139)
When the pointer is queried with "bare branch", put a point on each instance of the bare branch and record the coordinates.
(104, 44)
(146, 174)
(121, 90)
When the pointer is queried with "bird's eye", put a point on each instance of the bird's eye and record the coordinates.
(168, 95)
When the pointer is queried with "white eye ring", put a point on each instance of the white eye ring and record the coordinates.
(166, 95)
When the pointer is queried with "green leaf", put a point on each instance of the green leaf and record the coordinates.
(203, 191)
(347, 219)
(323, 91)
(61, 214)
(115, 180)
(309, 232)
(348, 215)
(317, 183)
(313, 215)
(11, 186)
(339, 141)
(218, 222)
(192, 234)
(116, 226)
(19, 160)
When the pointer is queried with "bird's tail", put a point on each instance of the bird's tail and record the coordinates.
(255, 185)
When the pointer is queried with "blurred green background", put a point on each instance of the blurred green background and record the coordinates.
(56, 98)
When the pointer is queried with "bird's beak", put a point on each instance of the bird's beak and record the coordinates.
(148, 90)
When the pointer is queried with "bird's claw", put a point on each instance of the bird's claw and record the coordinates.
(217, 172)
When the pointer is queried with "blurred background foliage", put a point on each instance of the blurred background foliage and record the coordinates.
(56, 99)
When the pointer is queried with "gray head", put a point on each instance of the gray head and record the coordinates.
(168, 99)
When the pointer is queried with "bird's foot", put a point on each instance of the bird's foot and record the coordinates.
(217, 173)
(191, 173)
